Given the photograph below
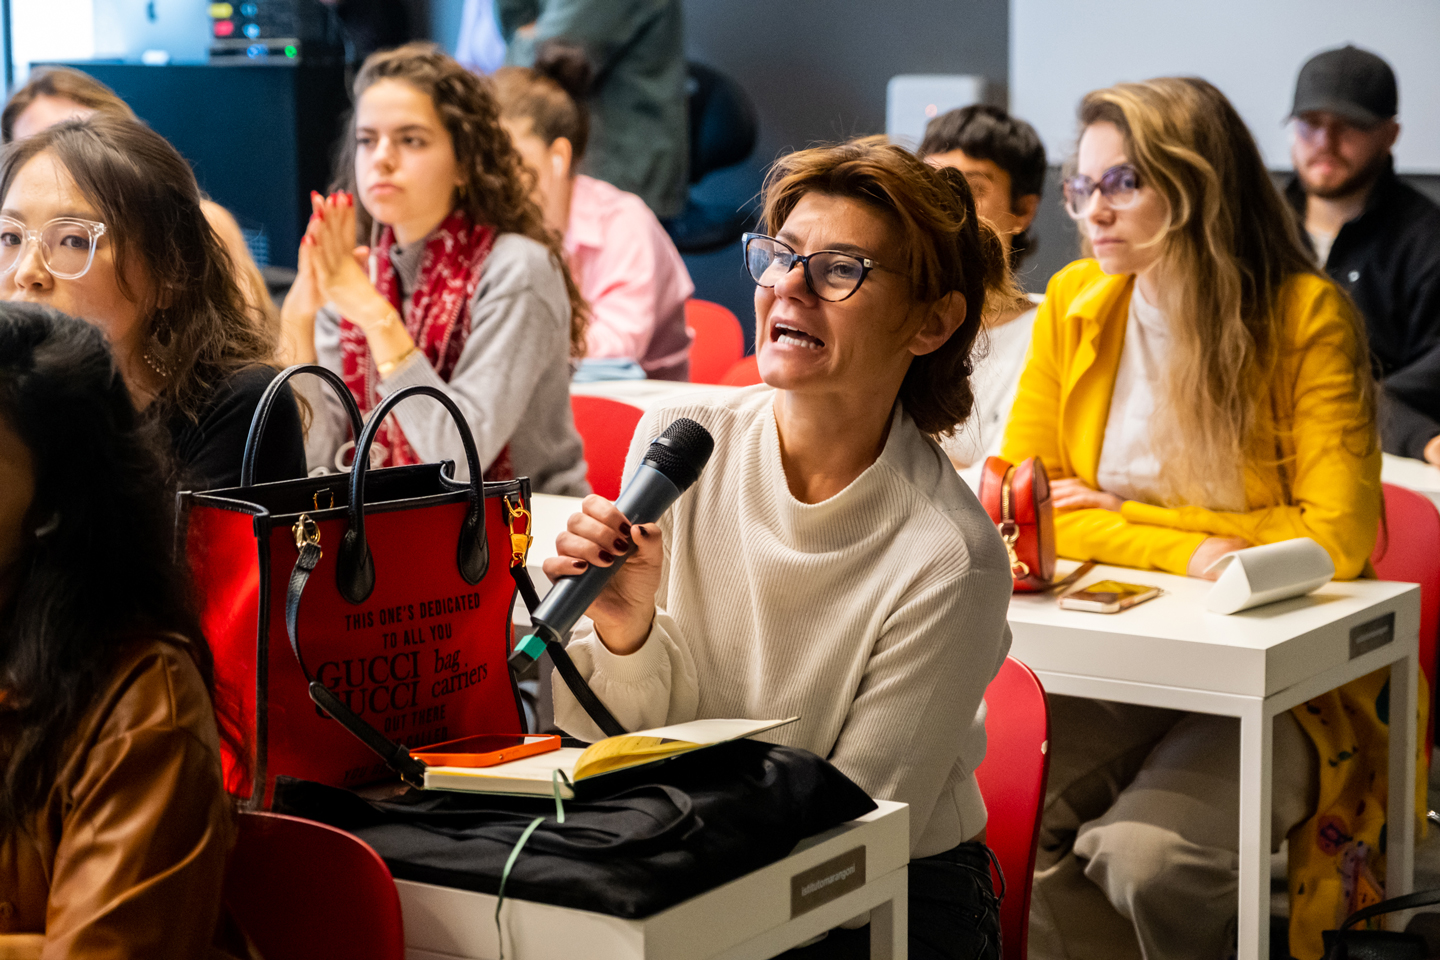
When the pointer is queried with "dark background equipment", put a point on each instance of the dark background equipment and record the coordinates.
(259, 136)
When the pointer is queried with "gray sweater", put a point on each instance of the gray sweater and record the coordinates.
(512, 380)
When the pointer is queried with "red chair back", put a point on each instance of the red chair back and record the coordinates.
(1408, 550)
(301, 890)
(743, 374)
(1012, 781)
(718, 342)
(606, 427)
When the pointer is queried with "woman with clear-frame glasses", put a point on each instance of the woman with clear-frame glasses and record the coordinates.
(101, 218)
(829, 563)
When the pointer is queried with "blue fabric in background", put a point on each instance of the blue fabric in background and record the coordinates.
(608, 368)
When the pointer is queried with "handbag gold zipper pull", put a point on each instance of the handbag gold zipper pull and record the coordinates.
(519, 542)
(306, 532)
(1009, 529)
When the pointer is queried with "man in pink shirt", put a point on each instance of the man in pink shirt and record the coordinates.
(626, 266)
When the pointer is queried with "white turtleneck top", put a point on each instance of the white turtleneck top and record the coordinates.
(877, 616)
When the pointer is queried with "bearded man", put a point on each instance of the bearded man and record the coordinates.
(1375, 235)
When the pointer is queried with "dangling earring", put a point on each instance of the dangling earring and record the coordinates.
(48, 527)
(159, 338)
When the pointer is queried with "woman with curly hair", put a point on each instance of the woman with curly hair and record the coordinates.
(466, 289)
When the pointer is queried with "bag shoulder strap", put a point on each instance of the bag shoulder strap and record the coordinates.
(1409, 901)
(396, 756)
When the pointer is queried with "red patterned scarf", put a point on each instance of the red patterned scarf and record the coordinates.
(439, 323)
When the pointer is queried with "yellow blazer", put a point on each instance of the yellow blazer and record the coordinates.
(1329, 456)
(1324, 484)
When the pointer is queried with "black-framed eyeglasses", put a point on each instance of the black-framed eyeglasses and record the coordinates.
(830, 274)
(1120, 185)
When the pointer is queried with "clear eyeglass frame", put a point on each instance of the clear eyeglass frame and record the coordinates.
(1120, 186)
(826, 262)
(67, 263)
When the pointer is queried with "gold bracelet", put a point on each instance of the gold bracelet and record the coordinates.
(390, 366)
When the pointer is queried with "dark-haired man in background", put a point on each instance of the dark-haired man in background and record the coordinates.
(1003, 160)
(1375, 235)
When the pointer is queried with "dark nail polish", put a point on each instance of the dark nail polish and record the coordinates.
(625, 529)
(605, 557)
(581, 564)
(621, 546)
(643, 532)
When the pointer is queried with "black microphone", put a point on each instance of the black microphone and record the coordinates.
(670, 466)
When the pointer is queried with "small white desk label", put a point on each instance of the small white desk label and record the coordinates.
(829, 881)
(1372, 634)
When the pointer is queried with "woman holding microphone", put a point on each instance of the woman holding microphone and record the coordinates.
(848, 577)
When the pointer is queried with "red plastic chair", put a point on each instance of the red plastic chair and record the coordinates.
(301, 890)
(606, 427)
(718, 340)
(743, 374)
(1012, 781)
(1407, 550)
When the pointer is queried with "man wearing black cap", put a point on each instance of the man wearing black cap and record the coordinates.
(1376, 236)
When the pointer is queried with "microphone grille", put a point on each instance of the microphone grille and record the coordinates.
(681, 452)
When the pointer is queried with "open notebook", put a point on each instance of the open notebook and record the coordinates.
(535, 776)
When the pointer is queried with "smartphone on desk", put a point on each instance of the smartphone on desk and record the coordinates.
(1108, 596)
(487, 750)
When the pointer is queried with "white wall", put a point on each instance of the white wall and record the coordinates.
(1250, 49)
(50, 30)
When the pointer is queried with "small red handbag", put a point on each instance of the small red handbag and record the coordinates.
(1017, 497)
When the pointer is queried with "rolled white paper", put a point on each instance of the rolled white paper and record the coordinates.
(1264, 574)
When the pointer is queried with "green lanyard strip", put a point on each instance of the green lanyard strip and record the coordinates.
(555, 777)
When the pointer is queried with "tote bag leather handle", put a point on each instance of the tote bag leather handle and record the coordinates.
(354, 567)
(261, 420)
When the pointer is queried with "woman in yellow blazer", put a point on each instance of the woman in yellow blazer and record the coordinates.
(1195, 388)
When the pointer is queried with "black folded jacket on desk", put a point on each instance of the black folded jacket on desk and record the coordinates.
(665, 833)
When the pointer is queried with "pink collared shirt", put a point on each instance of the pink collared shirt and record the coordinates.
(632, 276)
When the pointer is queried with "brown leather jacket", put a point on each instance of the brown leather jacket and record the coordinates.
(127, 855)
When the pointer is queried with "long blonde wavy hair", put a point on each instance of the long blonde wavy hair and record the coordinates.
(1228, 247)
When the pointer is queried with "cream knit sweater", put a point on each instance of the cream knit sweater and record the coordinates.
(877, 616)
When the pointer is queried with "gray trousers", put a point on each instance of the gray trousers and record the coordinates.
(1140, 838)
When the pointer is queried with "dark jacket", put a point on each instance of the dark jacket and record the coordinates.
(638, 139)
(1388, 259)
(210, 448)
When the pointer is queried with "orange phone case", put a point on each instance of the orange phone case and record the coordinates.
(435, 754)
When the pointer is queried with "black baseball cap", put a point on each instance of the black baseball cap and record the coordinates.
(1354, 83)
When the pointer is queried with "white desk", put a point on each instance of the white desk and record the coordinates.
(1253, 665)
(751, 918)
(1416, 475)
(645, 394)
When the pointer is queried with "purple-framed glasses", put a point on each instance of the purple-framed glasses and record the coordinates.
(1120, 186)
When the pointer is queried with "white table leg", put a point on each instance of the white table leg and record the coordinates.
(882, 931)
(1400, 817)
(890, 925)
(1257, 736)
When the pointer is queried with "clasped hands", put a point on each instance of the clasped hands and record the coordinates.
(332, 269)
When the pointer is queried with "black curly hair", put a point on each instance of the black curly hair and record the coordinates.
(101, 565)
